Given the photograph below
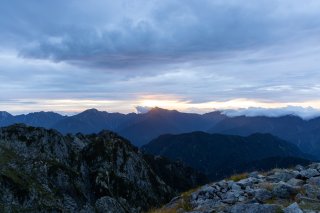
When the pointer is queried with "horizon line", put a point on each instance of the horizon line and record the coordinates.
(305, 113)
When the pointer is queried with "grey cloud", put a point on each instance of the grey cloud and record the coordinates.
(195, 50)
(158, 32)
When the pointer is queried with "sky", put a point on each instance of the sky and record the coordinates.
(190, 55)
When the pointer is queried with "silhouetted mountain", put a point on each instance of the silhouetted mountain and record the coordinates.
(304, 134)
(160, 121)
(39, 119)
(90, 121)
(6, 119)
(218, 155)
(138, 128)
(142, 128)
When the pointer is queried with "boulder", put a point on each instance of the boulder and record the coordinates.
(295, 182)
(299, 167)
(255, 208)
(309, 173)
(248, 182)
(314, 166)
(293, 208)
(284, 190)
(262, 194)
(311, 191)
(314, 181)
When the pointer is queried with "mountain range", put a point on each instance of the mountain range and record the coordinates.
(138, 128)
(142, 128)
(219, 155)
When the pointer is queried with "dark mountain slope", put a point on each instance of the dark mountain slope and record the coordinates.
(175, 173)
(159, 121)
(6, 118)
(142, 128)
(217, 155)
(39, 119)
(304, 134)
(138, 128)
(90, 121)
(245, 126)
(44, 171)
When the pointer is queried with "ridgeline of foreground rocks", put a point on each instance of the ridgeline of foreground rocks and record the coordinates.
(294, 190)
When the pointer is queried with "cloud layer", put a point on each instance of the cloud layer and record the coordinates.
(305, 113)
(192, 52)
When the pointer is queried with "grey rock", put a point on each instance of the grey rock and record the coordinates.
(311, 191)
(309, 173)
(235, 186)
(295, 182)
(284, 175)
(248, 182)
(231, 197)
(284, 190)
(293, 208)
(299, 167)
(262, 194)
(255, 208)
(254, 174)
(314, 166)
(314, 181)
(109, 205)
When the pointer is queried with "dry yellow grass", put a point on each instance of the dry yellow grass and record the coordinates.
(266, 185)
(183, 203)
(238, 177)
(163, 210)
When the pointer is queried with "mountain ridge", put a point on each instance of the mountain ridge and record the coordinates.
(142, 128)
(218, 155)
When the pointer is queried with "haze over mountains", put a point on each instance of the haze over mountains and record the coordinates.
(142, 128)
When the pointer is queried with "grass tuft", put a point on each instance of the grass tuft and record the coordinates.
(238, 177)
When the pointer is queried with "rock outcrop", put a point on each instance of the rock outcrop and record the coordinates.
(294, 190)
(175, 173)
(43, 171)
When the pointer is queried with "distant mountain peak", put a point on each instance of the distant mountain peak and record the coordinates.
(5, 114)
(90, 111)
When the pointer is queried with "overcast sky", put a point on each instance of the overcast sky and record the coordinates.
(192, 55)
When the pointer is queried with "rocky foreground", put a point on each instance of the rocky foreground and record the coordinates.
(294, 190)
